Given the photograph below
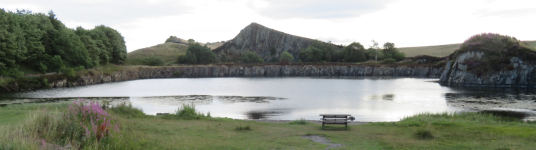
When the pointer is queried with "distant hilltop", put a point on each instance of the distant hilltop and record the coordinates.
(265, 41)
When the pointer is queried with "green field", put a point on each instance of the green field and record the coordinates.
(138, 131)
(168, 51)
(438, 50)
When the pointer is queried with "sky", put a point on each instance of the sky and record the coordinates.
(407, 23)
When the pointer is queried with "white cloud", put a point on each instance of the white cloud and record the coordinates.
(407, 23)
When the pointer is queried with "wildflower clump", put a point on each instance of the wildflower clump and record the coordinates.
(95, 121)
(83, 124)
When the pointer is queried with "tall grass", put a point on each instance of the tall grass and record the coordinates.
(83, 125)
(454, 119)
(187, 112)
(302, 121)
(37, 106)
(127, 111)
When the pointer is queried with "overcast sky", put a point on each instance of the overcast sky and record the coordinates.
(407, 23)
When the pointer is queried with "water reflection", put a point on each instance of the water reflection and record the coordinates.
(265, 114)
(290, 98)
(385, 97)
(487, 100)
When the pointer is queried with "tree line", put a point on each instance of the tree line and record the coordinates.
(318, 51)
(355, 52)
(42, 42)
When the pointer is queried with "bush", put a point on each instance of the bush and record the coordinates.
(423, 134)
(186, 112)
(154, 61)
(251, 57)
(12, 72)
(84, 125)
(299, 122)
(67, 71)
(389, 61)
(79, 68)
(240, 128)
(286, 56)
(128, 111)
(177, 74)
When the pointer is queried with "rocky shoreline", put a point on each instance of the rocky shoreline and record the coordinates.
(207, 71)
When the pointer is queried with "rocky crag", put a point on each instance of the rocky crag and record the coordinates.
(491, 60)
(262, 40)
(244, 71)
(457, 73)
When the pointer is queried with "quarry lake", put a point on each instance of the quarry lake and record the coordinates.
(290, 98)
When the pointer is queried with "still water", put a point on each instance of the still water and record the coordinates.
(289, 98)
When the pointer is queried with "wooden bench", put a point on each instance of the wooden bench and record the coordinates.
(341, 119)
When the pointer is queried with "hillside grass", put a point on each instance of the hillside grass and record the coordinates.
(438, 50)
(421, 131)
(167, 51)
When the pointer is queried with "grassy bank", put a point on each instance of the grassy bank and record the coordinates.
(188, 129)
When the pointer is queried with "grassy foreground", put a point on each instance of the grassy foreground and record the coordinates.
(21, 127)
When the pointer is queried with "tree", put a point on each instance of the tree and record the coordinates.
(251, 57)
(390, 51)
(171, 39)
(311, 54)
(355, 52)
(286, 56)
(202, 54)
(223, 58)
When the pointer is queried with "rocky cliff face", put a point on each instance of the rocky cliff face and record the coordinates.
(457, 73)
(260, 39)
(245, 71)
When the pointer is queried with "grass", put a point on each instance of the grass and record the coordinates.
(421, 131)
(302, 121)
(438, 50)
(168, 51)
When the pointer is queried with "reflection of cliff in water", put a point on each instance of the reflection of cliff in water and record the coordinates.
(204, 99)
(242, 99)
(487, 100)
(385, 97)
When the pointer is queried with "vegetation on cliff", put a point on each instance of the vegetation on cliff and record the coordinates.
(498, 51)
(39, 43)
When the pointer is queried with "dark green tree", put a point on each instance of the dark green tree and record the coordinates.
(355, 52)
(251, 57)
(286, 56)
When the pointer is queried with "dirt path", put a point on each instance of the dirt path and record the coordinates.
(322, 140)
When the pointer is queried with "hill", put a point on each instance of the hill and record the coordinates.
(265, 42)
(168, 51)
(438, 50)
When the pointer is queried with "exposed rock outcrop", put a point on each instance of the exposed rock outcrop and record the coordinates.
(261, 40)
(457, 73)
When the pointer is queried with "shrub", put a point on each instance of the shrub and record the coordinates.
(79, 68)
(84, 125)
(67, 71)
(251, 57)
(240, 128)
(299, 122)
(423, 134)
(286, 56)
(154, 61)
(177, 74)
(388, 61)
(186, 112)
(128, 111)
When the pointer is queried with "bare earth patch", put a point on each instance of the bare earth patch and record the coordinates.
(323, 140)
